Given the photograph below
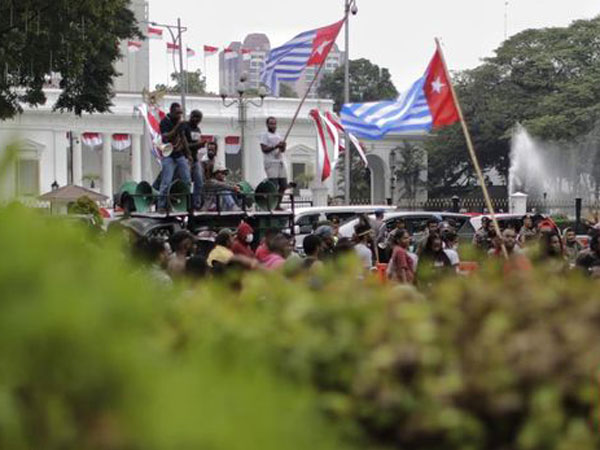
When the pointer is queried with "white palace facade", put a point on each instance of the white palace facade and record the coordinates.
(51, 148)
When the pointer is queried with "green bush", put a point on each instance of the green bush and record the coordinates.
(94, 355)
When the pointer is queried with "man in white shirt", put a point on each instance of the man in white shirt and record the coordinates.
(363, 234)
(273, 148)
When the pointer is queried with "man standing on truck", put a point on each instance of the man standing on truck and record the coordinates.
(273, 148)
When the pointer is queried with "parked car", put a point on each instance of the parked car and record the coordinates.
(415, 221)
(306, 219)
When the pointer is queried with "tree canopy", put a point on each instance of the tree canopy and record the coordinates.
(195, 83)
(546, 79)
(74, 38)
(368, 82)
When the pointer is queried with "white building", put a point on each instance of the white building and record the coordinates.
(45, 152)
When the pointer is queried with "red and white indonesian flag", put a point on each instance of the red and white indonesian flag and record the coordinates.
(91, 139)
(155, 33)
(172, 48)
(229, 53)
(152, 116)
(121, 142)
(190, 52)
(246, 54)
(209, 50)
(232, 145)
(325, 144)
(134, 46)
(335, 120)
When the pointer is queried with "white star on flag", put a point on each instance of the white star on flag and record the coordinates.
(322, 47)
(437, 85)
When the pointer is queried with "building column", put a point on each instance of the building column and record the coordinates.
(77, 160)
(107, 169)
(136, 157)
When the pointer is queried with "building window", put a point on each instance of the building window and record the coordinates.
(28, 177)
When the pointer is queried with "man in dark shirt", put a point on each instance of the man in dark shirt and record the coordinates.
(193, 135)
(589, 260)
(172, 133)
(208, 160)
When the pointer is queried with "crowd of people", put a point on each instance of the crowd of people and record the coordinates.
(189, 158)
(393, 253)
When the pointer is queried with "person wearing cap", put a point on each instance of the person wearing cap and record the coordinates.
(218, 188)
(242, 241)
(363, 235)
(325, 233)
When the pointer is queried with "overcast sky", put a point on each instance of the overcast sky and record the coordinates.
(397, 34)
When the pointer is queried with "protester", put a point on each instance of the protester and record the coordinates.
(450, 239)
(325, 233)
(378, 226)
(243, 239)
(312, 250)
(401, 267)
(263, 249)
(431, 228)
(279, 250)
(572, 246)
(552, 253)
(193, 134)
(221, 255)
(196, 268)
(208, 160)
(482, 239)
(180, 157)
(589, 260)
(433, 260)
(217, 189)
(181, 243)
(528, 231)
(273, 148)
(363, 236)
(155, 255)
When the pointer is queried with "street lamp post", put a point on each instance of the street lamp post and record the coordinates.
(242, 103)
(350, 7)
(176, 32)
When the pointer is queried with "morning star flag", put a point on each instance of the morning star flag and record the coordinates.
(154, 33)
(427, 104)
(286, 63)
(209, 50)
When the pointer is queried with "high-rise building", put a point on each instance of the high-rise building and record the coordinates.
(249, 57)
(134, 67)
(334, 60)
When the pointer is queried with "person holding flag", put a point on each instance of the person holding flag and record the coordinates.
(273, 147)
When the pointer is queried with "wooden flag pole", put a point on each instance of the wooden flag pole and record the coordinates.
(486, 195)
(312, 82)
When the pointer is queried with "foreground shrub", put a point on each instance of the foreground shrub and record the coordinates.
(93, 355)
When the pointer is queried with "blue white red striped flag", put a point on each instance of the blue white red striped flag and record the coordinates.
(428, 104)
(287, 62)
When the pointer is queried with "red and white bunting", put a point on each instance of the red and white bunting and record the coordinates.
(232, 145)
(121, 142)
(229, 53)
(209, 50)
(207, 138)
(91, 139)
(190, 52)
(134, 46)
(154, 33)
(246, 54)
(172, 48)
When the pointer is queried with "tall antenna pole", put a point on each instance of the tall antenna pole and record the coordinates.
(505, 19)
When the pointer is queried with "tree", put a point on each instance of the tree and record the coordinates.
(286, 91)
(360, 187)
(195, 83)
(76, 39)
(409, 170)
(368, 83)
(547, 79)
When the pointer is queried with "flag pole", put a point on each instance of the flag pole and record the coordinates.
(486, 195)
(312, 82)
